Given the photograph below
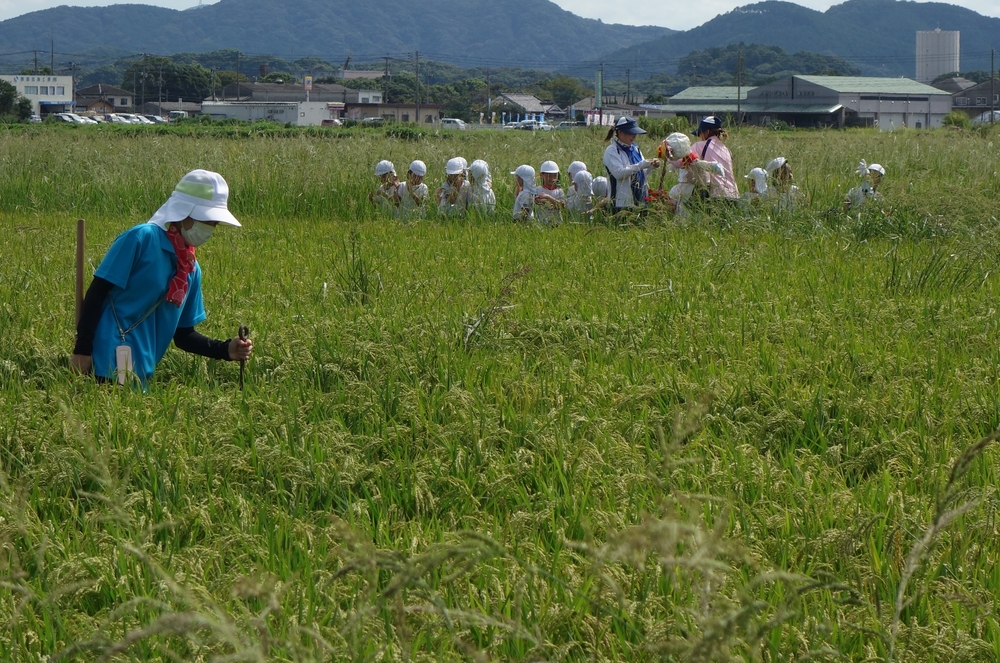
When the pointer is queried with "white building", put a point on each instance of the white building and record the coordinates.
(47, 94)
(298, 113)
(937, 54)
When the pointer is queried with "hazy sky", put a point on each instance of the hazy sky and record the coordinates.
(672, 13)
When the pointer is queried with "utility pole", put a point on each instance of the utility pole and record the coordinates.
(213, 85)
(52, 53)
(739, 87)
(993, 93)
(489, 96)
(416, 60)
(237, 75)
(600, 100)
(628, 85)
(385, 82)
(36, 62)
(159, 94)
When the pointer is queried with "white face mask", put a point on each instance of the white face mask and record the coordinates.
(198, 234)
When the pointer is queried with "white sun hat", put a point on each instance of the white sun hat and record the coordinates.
(201, 195)
(527, 175)
(584, 182)
(600, 186)
(455, 166)
(384, 167)
(549, 167)
(480, 172)
(774, 164)
(418, 167)
(759, 177)
(575, 168)
(877, 168)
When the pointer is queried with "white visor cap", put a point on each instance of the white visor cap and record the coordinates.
(384, 167)
(418, 168)
(877, 168)
(201, 195)
(455, 166)
(549, 167)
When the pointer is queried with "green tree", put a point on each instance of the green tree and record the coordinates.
(42, 71)
(563, 90)
(12, 104)
(184, 81)
(279, 77)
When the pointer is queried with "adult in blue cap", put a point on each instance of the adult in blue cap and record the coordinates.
(626, 166)
(710, 147)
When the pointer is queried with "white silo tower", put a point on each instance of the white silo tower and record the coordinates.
(937, 53)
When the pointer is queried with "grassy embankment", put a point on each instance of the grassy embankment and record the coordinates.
(716, 439)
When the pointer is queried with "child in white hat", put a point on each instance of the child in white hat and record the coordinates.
(449, 194)
(385, 195)
(581, 195)
(780, 173)
(871, 177)
(757, 179)
(601, 194)
(479, 196)
(524, 193)
(549, 198)
(412, 194)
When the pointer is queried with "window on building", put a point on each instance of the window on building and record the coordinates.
(61, 90)
(429, 119)
(31, 89)
(406, 117)
(980, 101)
(124, 102)
(364, 100)
(43, 90)
(961, 101)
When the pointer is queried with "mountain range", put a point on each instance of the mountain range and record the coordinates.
(876, 36)
(473, 30)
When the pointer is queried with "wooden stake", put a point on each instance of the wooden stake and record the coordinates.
(81, 229)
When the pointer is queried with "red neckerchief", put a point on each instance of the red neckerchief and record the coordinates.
(688, 160)
(178, 286)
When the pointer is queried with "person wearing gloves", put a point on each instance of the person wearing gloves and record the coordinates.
(479, 196)
(385, 195)
(757, 182)
(626, 167)
(694, 175)
(449, 195)
(147, 289)
(412, 194)
(524, 193)
(710, 147)
(549, 198)
(581, 195)
(871, 177)
(601, 193)
(780, 173)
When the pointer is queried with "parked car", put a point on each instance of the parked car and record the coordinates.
(985, 118)
(544, 126)
(114, 118)
(330, 122)
(155, 119)
(567, 124)
(452, 123)
(528, 125)
(35, 119)
(373, 121)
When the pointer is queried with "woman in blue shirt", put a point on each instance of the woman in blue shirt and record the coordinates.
(147, 289)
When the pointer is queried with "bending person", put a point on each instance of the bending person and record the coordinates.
(710, 147)
(147, 289)
(626, 166)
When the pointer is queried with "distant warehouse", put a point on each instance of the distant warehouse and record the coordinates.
(821, 101)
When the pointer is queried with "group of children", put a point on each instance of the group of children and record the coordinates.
(468, 188)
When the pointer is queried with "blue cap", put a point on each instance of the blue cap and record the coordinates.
(708, 124)
(627, 125)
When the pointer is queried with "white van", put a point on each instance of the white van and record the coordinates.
(452, 123)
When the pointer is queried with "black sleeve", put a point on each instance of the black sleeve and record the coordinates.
(93, 304)
(188, 340)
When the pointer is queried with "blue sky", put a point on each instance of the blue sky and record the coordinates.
(674, 14)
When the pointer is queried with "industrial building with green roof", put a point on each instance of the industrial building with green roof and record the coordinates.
(818, 101)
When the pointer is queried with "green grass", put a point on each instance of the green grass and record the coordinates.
(709, 440)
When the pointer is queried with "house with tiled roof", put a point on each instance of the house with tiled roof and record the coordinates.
(104, 98)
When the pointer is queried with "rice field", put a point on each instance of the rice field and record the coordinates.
(747, 435)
